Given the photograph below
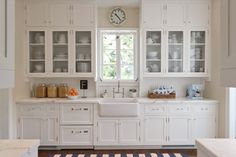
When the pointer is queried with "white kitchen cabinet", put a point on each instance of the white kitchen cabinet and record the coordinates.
(179, 130)
(60, 13)
(76, 114)
(118, 132)
(7, 43)
(175, 14)
(107, 132)
(198, 14)
(155, 130)
(81, 9)
(60, 53)
(76, 135)
(152, 14)
(228, 46)
(39, 121)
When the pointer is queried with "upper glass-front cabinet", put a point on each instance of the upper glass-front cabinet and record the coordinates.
(175, 51)
(37, 56)
(197, 51)
(83, 52)
(153, 51)
(60, 51)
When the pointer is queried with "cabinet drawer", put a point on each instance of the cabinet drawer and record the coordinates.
(31, 109)
(201, 109)
(154, 109)
(76, 135)
(178, 109)
(52, 109)
(76, 114)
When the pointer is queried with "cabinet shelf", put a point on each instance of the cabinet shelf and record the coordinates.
(175, 44)
(153, 60)
(83, 60)
(60, 44)
(198, 44)
(37, 60)
(60, 60)
(175, 60)
(36, 44)
(154, 44)
(197, 60)
(80, 44)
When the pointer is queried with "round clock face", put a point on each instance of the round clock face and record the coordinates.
(117, 16)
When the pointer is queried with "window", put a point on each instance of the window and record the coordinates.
(118, 55)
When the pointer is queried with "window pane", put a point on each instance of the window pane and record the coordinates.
(127, 57)
(127, 41)
(109, 41)
(109, 57)
(109, 72)
(127, 72)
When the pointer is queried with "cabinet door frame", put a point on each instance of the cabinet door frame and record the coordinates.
(206, 73)
(167, 52)
(47, 62)
(151, 141)
(144, 54)
(55, 139)
(50, 50)
(73, 54)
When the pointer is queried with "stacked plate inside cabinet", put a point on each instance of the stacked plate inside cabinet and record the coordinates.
(152, 55)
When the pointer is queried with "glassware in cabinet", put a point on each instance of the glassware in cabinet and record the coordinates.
(36, 48)
(83, 51)
(153, 51)
(175, 51)
(60, 51)
(197, 51)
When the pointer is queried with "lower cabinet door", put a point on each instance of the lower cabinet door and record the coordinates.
(107, 132)
(204, 127)
(155, 130)
(179, 130)
(129, 131)
(51, 131)
(31, 128)
(76, 135)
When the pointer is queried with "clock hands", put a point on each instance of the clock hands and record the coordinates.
(117, 17)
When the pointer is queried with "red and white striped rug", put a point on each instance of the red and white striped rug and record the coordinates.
(121, 155)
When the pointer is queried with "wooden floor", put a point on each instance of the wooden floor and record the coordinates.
(189, 152)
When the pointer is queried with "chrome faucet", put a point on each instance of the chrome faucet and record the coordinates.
(118, 90)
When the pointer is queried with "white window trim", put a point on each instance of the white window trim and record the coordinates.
(100, 62)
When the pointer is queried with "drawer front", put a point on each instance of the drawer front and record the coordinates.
(76, 114)
(154, 109)
(31, 109)
(179, 109)
(204, 109)
(52, 109)
(76, 135)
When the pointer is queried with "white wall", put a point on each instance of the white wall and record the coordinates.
(214, 90)
(5, 113)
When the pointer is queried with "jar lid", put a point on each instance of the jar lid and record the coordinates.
(63, 85)
(42, 85)
(52, 85)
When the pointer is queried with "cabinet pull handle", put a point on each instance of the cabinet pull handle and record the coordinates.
(86, 131)
(85, 109)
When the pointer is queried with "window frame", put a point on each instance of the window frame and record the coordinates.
(100, 63)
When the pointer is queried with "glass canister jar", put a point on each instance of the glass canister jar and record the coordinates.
(41, 91)
(52, 90)
(63, 90)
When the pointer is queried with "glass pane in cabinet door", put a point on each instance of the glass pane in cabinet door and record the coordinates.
(153, 51)
(37, 51)
(175, 51)
(60, 52)
(83, 51)
(197, 52)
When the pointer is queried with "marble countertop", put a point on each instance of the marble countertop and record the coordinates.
(97, 100)
(16, 148)
(218, 147)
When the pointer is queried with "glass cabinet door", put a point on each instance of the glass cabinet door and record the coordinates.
(197, 51)
(37, 51)
(153, 51)
(83, 52)
(175, 51)
(60, 52)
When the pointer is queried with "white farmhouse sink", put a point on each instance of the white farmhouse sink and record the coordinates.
(118, 107)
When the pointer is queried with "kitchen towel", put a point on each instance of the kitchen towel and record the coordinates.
(121, 155)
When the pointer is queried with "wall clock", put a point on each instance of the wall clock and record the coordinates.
(117, 16)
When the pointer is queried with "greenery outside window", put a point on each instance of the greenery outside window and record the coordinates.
(118, 51)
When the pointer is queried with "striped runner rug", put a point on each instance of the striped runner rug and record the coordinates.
(121, 155)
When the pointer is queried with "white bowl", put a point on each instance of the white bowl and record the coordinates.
(152, 54)
(39, 67)
(73, 97)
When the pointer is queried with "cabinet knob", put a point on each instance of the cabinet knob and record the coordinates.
(72, 109)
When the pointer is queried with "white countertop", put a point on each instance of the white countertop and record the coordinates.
(218, 147)
(16, 148)
(97, 100)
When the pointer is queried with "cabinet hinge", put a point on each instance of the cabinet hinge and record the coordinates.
(139, 124)
(97, 123)
(18, 120)
(57, 138)
(139, 138)
(168, 120)
(168, 138)
(97, 139)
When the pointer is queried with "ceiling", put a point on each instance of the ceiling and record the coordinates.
(109, 3)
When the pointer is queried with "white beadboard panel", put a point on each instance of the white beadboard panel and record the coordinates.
(179, 84)
(72, 82)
